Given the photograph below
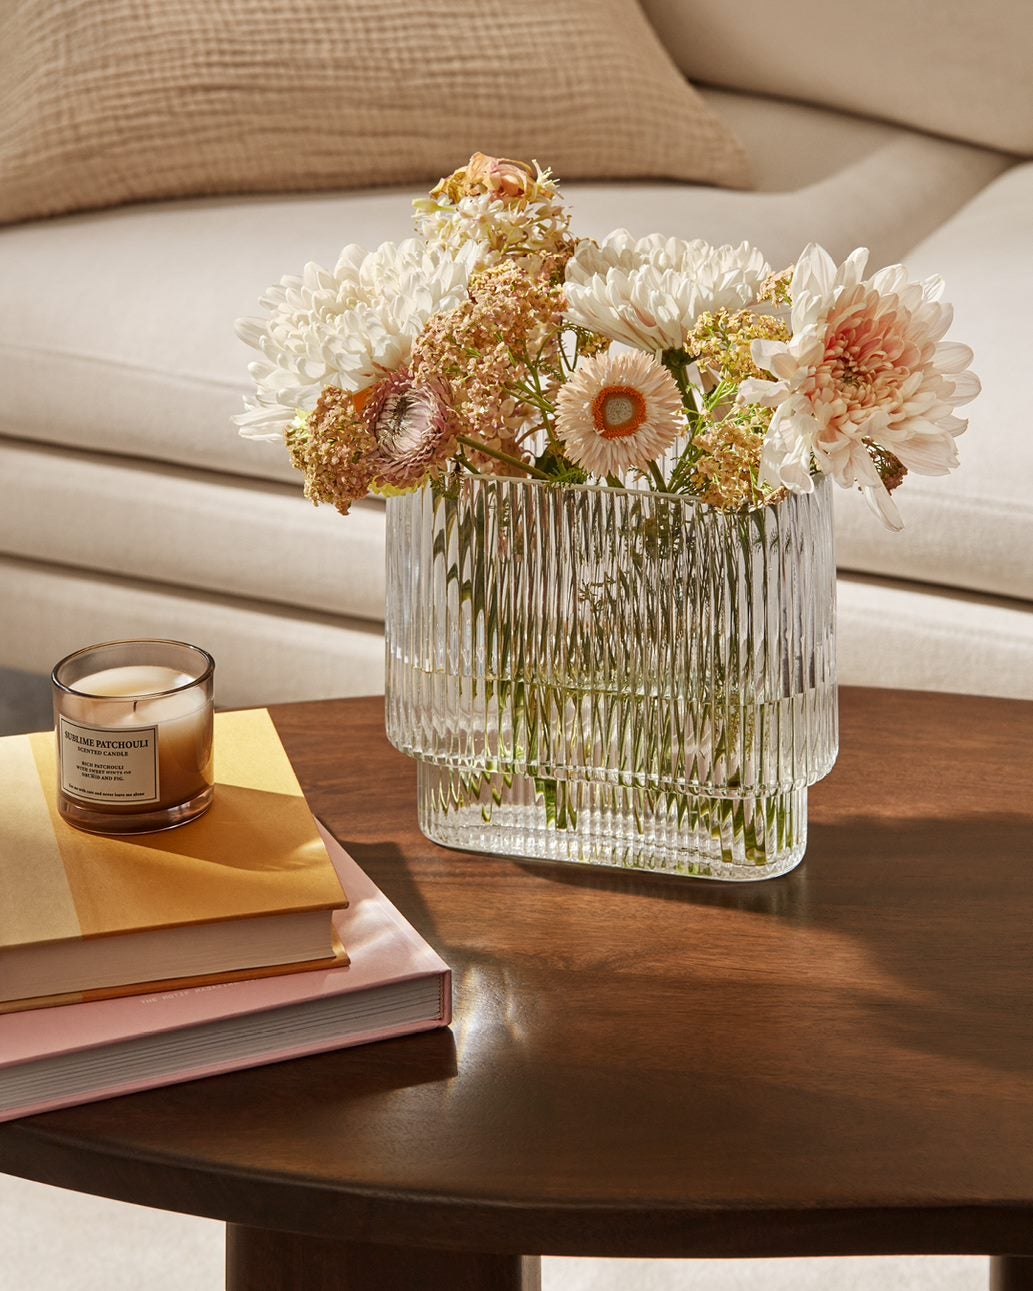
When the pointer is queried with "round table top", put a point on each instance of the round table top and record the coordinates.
(838, 1060)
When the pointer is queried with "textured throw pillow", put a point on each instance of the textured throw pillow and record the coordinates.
(109, 101)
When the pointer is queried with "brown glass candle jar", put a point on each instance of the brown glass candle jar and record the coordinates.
(133, 723)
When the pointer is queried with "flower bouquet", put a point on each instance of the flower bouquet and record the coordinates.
(611, 585)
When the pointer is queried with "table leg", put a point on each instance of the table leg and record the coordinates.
(1011, 1273)
(259, 1259)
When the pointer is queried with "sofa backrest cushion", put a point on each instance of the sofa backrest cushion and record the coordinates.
(952, 67)
(108, 101)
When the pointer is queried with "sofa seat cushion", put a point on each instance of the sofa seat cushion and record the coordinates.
(889, 635)
(218, 534)
(117, 333)
(264, 653)
(906, 636)
(971, 529)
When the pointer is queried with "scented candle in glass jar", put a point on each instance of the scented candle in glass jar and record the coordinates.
(133, 723)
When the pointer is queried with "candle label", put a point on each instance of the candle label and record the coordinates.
(108, 763)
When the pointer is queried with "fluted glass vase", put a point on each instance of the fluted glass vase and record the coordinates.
(613, 676)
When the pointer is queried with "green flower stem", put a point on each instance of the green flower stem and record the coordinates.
(478, 447)
(658, 477)
(466, 464)
(678, 362)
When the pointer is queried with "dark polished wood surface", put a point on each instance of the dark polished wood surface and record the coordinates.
(838, 1061)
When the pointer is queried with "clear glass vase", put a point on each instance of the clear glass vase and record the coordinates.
(613, 676)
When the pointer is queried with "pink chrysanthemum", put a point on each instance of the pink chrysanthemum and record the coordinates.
(618, 412)
(865, 370)
(413, 426)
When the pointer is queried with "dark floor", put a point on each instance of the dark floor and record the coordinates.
(24, 703)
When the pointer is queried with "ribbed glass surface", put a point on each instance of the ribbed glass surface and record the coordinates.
(622, 677)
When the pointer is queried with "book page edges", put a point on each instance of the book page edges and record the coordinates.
(202, 1070)
(339, 959)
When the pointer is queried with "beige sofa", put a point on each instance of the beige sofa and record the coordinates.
(130, 506)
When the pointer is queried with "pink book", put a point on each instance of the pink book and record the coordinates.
(395, 984)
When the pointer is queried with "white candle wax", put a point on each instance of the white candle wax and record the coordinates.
(132, 680)
(120, 699)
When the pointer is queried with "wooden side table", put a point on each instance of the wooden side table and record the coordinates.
(835, 1062)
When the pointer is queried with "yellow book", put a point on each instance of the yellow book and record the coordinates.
(247, 887)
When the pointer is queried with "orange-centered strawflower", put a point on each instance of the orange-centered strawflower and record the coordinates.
(618, 412)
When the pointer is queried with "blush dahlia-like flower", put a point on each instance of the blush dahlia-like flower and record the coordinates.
(865, 373)
(345, 328)
(649, 292)
(413, 427)
(618, 412)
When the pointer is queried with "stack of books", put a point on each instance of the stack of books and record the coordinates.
(246, 937)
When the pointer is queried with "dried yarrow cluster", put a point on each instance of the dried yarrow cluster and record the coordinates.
(727, 471)
(721, 343)
(498, 342)
(500, 339)
(333, 449)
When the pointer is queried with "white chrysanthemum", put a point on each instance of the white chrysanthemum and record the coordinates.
(347, 328)
(618, 412)
(649, 292)
(866, 361)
